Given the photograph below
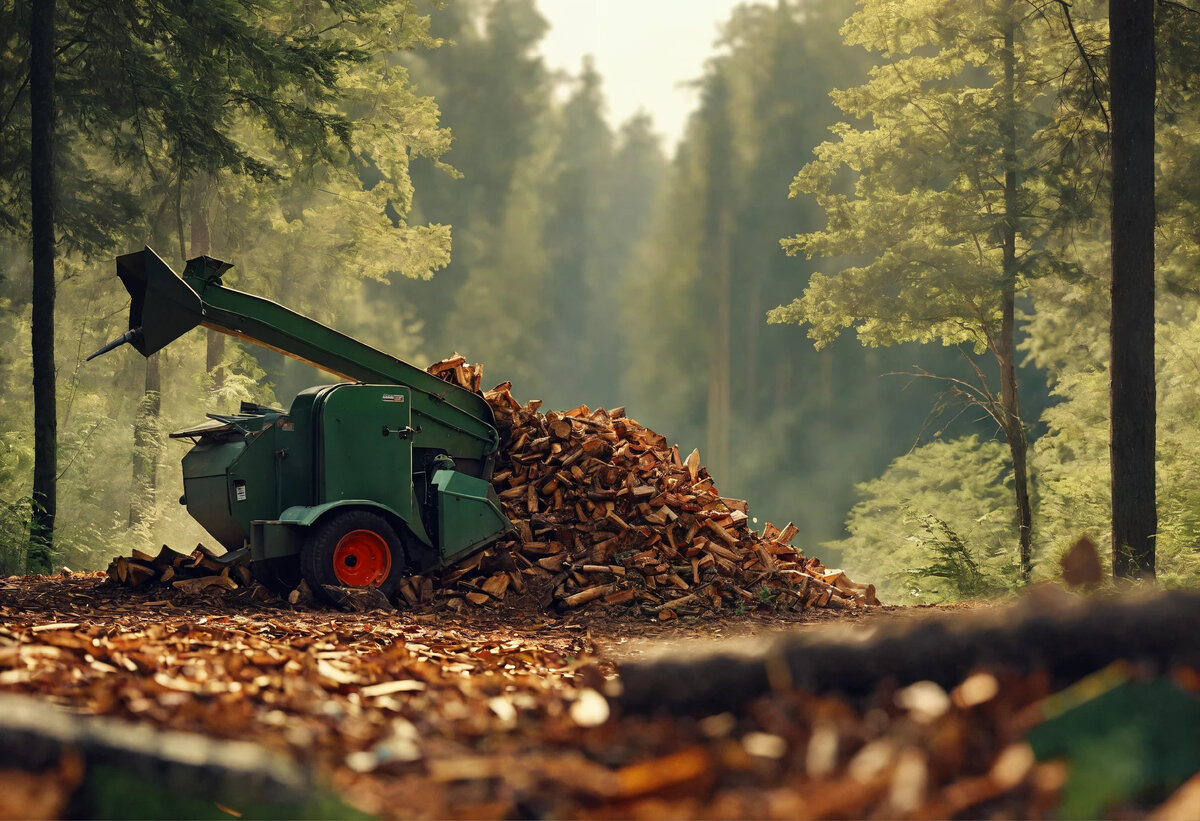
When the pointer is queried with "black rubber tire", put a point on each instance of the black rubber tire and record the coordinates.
(316, 556)
(280, 575)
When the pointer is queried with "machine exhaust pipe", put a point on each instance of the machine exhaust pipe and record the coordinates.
(127, 337)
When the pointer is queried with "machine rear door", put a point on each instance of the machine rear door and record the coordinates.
(366, 446)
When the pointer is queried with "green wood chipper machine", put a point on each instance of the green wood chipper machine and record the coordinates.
(358, 484)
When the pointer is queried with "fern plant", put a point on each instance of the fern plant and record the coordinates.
(952, 564)
(15, 517)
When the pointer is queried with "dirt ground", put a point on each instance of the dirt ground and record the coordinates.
(431, 713)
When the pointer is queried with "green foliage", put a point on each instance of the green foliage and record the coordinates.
(547, 208)
(281, 136)
(501, 324)
(951, 571)
(494, 93)
(1124, 741)
(1072, 456)
(928, 206)
(115, 792)
(937, 525)
(170, 91)
(579, 294)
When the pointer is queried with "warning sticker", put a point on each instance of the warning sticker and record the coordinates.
(240, 492)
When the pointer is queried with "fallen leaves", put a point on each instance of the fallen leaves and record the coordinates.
(347, 695)
(686, 767)
(437, 715)
(590, 709)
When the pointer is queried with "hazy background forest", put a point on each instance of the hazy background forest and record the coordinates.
(485, 204)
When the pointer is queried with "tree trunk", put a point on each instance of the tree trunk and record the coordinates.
(1013, 425)
(1061, 643)
(41, 176)
(1131, 330)
(825, 380)
(147, 436)
(200, 243)
(720, 371)
(718, 227)
(754, 324)
(1018, 442)
(147, 444)
(214, 357)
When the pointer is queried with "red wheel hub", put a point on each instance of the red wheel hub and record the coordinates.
(362, 558)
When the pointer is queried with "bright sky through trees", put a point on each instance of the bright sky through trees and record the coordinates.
(645, 50)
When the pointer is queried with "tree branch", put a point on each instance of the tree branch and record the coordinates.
(973, 394)
(16, 99)
(1087, 61)
(1179, 6)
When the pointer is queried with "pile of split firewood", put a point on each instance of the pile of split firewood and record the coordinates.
(607, 512)
(189, 572)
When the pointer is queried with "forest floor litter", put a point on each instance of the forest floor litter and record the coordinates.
(438, 713)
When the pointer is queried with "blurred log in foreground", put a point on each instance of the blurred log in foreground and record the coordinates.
(1063, 637)
(57, 764)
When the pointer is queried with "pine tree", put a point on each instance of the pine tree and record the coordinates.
(577, 200)
(634, 181)
(953, 182)
(808, 424)
(494, 93)
(719, 204)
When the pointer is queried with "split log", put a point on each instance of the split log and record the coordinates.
(590, 594)
(192, 572)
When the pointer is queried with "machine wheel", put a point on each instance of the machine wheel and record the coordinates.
(353, 548)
